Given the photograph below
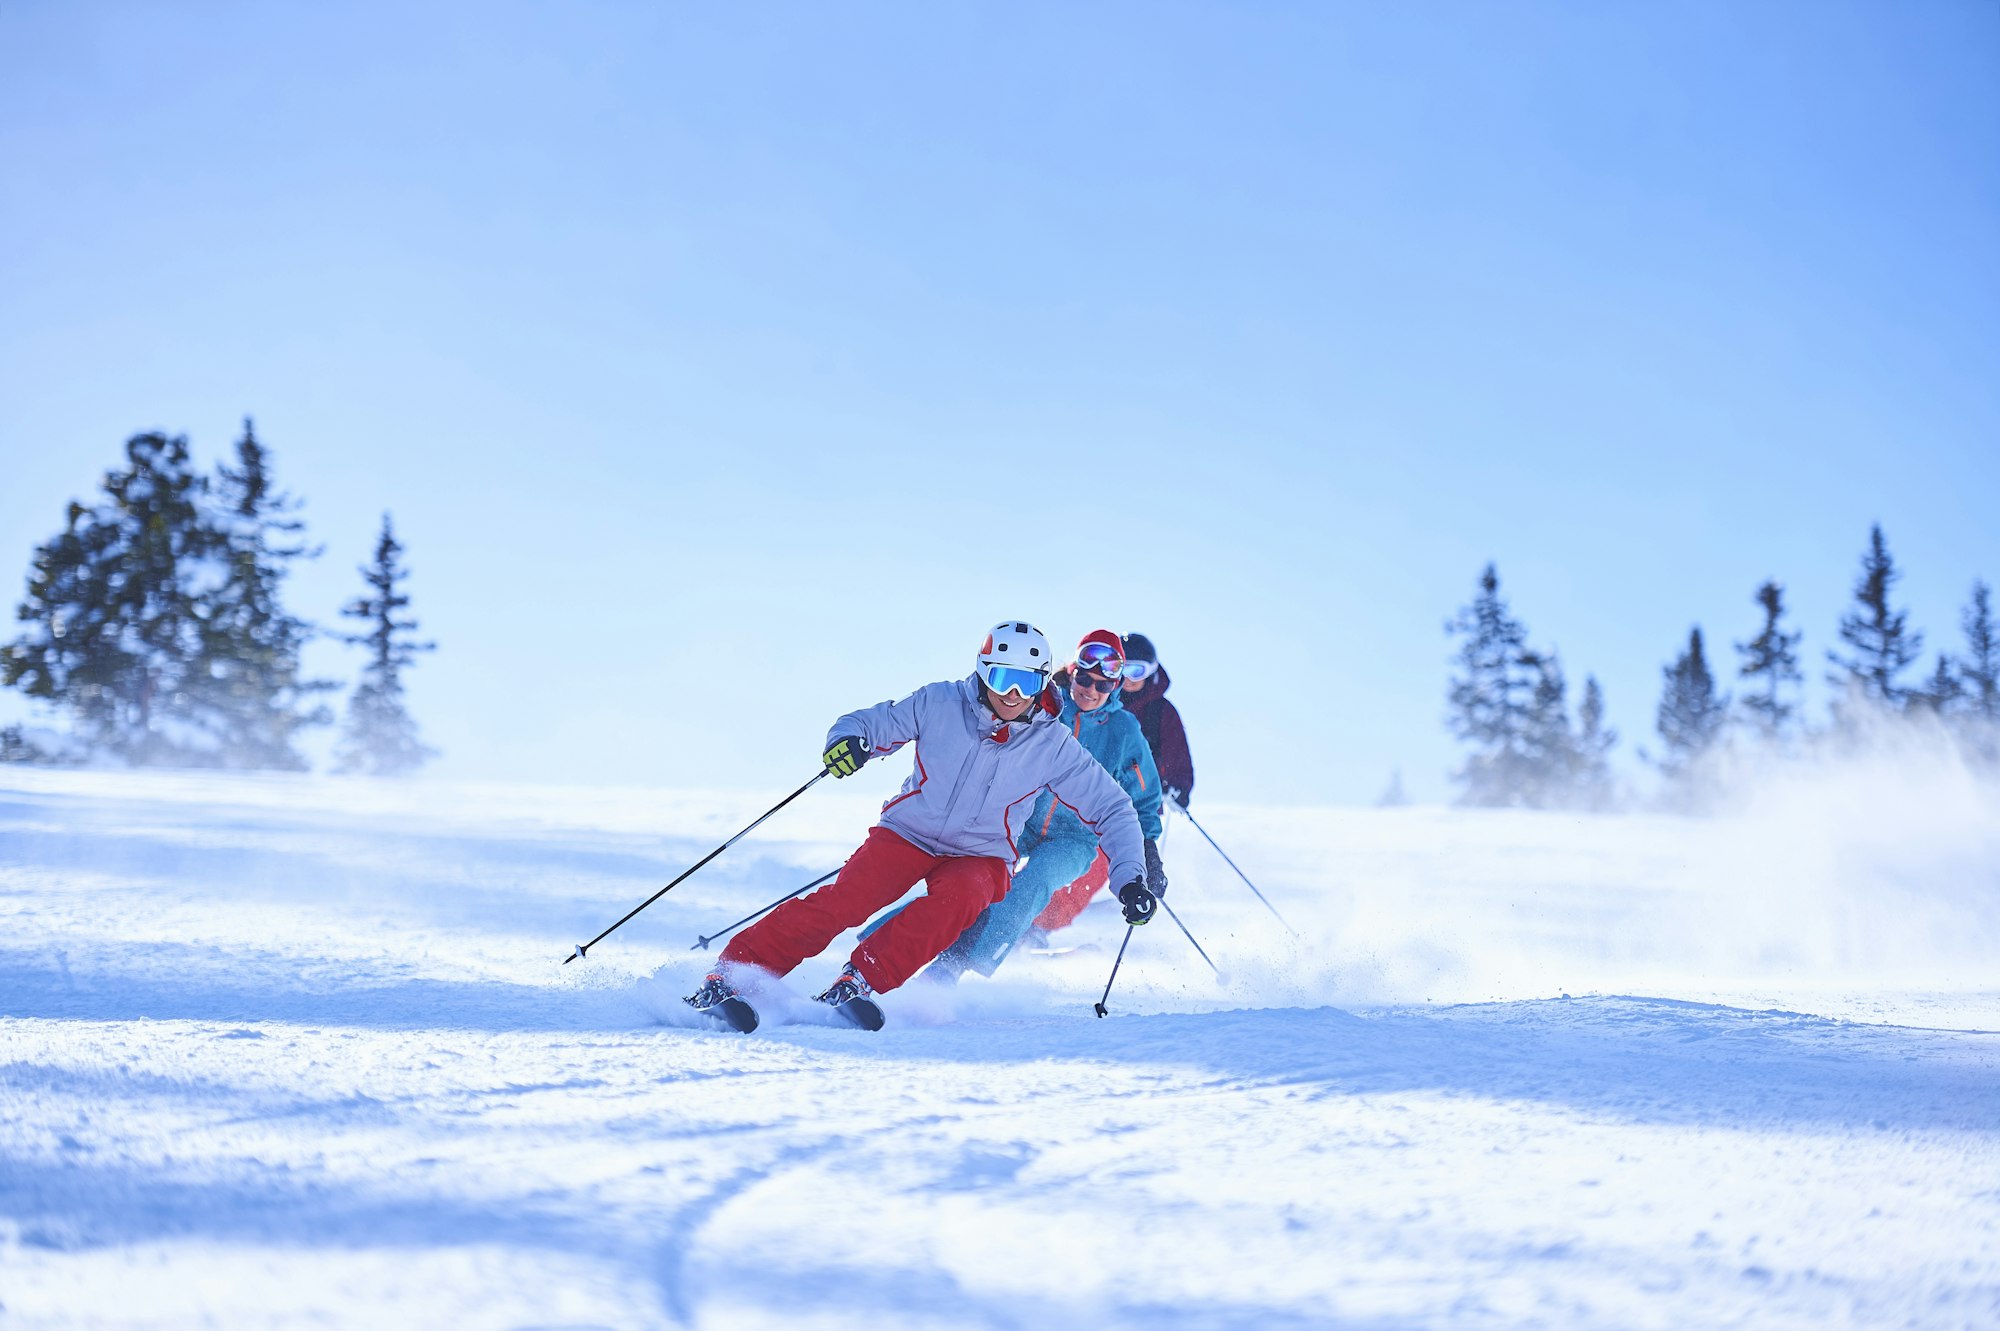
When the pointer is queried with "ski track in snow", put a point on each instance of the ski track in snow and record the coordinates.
(295, 1051)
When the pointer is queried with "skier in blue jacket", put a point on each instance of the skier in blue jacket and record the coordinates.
(1059, 844)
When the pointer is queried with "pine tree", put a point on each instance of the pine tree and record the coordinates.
(252, 684)
(1691, 713)
(1594, 787)
(1979, 672)
(379, 738)
(1771, 661)
(1883, 647)
(1552, 761)
(1940, 694)
(115, 612)
(1489, 698)
(1393, 796)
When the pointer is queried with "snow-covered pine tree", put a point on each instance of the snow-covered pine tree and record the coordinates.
(257, 698)
(1489, 698)
(1691, 712)
(114, 612)
(1594, 788)
(1883, 646)
(1770, 663)
(379, 738)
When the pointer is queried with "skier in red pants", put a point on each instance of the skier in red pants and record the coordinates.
(986, 746)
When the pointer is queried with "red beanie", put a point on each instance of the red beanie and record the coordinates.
(1104, 636)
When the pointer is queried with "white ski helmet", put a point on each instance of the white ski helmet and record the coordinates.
(1015, 659)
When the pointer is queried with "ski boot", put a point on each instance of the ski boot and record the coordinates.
(718, 998)
(849, 996)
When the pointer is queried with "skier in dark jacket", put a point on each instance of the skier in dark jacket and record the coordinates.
(1146, 686)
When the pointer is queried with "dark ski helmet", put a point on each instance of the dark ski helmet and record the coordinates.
(1141, 659)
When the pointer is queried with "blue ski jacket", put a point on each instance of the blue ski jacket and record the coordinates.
(1111, 735)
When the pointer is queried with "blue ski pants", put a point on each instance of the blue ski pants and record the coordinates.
(1054, 864)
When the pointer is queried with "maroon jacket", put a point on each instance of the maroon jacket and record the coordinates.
(1160, 721)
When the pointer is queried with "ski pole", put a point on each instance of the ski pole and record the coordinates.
(1190, 937)
(582, 948)
(1099, 1006)
(1232, 864)
(702, 943)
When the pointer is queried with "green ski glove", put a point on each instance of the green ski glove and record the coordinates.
(846, 754)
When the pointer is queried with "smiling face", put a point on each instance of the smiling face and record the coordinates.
(1007, 706)
(1088, 689)
(1093, 671)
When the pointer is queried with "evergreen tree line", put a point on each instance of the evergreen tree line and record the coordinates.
(1509, 701)
(1961, 695)
(154, 623)
(1506, 699)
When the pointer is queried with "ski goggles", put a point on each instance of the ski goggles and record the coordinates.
(1006, 679)
(1098, 658)
(1138, 671)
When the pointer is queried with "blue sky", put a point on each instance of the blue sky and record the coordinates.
(729, 367)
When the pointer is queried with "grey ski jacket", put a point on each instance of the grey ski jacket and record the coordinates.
(974, 784)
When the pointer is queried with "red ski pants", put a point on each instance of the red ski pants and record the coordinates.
(1068, 902)
(957, 888)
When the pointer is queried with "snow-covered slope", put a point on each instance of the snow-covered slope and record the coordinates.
(297, 1051)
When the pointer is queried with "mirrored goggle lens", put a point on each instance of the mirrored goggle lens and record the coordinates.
(1138, 670)
(1098, 657)
(1013, 679)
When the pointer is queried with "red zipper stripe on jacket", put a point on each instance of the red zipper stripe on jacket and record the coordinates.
(923, 775)
(1007, 826)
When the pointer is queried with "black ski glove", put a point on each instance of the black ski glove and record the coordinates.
(1178, 796)
(845, 755)
(1156, 872)
(1138, 902)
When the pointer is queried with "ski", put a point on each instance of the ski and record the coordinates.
(736, 1013)
(861, 1012)
(717, 998)
(848, 996)
(731, 1012)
